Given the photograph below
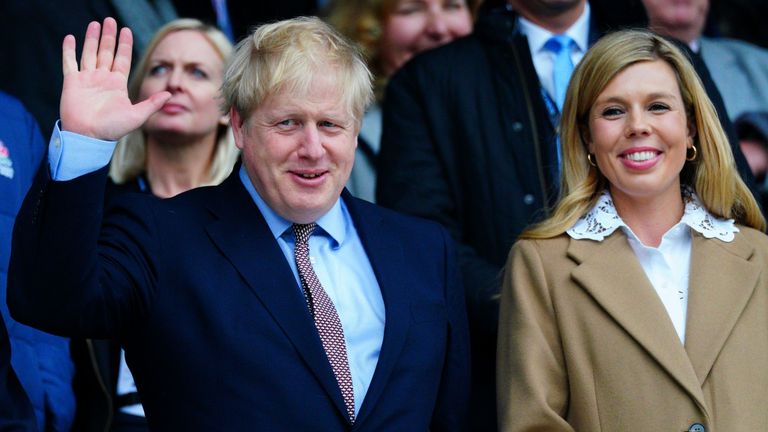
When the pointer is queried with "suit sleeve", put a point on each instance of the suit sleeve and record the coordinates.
(531, 376)
(74, 272)
(453, 397)
(416, 175)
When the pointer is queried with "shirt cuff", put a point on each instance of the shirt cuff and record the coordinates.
(72, 155)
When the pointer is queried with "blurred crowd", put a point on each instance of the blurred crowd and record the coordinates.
(463, 130)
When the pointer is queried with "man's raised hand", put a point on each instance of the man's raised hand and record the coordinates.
(94, 98)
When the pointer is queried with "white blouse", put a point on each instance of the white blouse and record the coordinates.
(667, 267)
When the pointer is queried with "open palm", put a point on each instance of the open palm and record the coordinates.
(94, 98)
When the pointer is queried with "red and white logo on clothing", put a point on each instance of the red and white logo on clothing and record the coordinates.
(6, 165)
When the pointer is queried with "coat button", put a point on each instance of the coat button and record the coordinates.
(697, 427)
(528, 199)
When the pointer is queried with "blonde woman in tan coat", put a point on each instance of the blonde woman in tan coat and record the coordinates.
(642, 303)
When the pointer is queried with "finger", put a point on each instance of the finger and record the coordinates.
(107, 44)
(122, 61)
(90, 44)
(68, 61)
(150, 105)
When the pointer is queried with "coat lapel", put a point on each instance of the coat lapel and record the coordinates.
(611, 273)
(385, 252)
(721, 283)
(241, 234)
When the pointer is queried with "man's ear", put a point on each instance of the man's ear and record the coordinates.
(238, 128)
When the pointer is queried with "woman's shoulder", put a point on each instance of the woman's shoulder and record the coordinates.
(754, 237)
(545, 247)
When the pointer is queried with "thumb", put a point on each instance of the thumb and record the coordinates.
(148, 106)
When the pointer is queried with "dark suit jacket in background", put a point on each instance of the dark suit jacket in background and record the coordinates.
(468, 142)
(245, 14)
(215, 327)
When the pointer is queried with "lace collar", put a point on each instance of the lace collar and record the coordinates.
(602, 220)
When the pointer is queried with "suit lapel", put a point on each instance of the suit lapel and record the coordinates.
(721, 284)
(612, 275)
(242, 235)
(386, 255)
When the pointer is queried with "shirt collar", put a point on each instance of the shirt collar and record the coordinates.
(538, 36)
(695, 45)
(602, 220)
(335, 222)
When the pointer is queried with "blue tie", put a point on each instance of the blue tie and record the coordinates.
(562, 67)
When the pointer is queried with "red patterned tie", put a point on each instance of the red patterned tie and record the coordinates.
(326, 318)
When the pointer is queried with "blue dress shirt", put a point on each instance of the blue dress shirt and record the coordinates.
(336, 253)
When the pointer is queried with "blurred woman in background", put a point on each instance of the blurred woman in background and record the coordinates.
(390, 32)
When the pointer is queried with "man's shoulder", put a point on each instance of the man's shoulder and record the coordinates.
(456, 58)
(734, 47)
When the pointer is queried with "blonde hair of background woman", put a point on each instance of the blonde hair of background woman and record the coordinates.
(129, 159)
(712, 175)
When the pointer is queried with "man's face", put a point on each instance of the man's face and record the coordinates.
(298, 149)
(677, 14)
(542, 9)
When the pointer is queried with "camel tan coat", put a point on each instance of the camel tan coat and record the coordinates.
(585, 343)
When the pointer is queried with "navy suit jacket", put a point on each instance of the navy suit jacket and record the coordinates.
(216, 331)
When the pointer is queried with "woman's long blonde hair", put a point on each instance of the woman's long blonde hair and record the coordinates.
(713, 174)
(130, 157)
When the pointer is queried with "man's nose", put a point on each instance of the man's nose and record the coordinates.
(311, 145)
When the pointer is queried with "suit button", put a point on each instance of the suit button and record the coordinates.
(697, 427)
(517, 126)
(528, 199)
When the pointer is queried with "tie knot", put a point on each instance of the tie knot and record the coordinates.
(558, 43)
(302, 232)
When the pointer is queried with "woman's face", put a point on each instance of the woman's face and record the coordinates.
(185, 64)
(417, 25)
(640, 133)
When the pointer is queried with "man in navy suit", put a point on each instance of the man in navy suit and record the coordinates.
(230, 318)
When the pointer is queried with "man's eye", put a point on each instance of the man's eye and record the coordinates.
(327, 124)
(287, 123)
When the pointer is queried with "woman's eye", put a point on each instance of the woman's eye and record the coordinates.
(158, 70)
(659, 107)
(407, 8)
(612, 112)
(454, 4)
(199, 73)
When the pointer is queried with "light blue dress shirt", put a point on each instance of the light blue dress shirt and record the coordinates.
(336, 253)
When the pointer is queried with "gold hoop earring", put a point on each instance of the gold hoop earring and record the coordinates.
(591, 159)
(691, 157)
